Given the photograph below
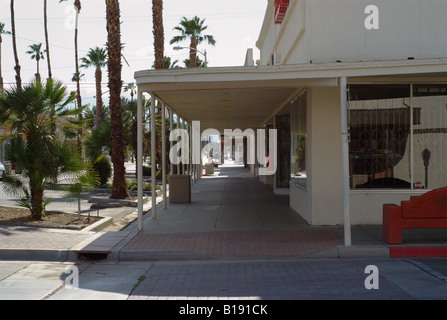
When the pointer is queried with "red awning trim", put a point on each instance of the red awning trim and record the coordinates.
(280, 10)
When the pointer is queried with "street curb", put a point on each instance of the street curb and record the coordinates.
(106, 202)
(352, 252)
(115, 253)
(101, 224)
(370, 251)
(338, 252)
(412, 251)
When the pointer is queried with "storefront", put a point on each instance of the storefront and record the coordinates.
(397, 148)
(395, 109)
(358, 124)
(398, 143)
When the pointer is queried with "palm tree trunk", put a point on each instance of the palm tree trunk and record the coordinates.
(47, 44)
(77, 5)
(193, 53)
(45, 18)
(38, 69)
(98, 76)
(1, 78)
(16, 58)
(157, 19)
(37, 211)
(119, 188)
(14, 45)
(37, 194)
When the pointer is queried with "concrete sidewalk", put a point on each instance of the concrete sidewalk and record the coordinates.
(232, 216)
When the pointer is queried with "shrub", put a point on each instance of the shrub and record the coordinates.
(159, 175)
(133, 186)
(103, 167)
(147, 171)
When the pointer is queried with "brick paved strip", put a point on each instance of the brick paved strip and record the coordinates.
(39, 238)
(281, 243)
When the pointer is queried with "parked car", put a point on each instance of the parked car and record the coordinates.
(2, 170)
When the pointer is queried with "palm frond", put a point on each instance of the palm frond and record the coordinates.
(13, 186)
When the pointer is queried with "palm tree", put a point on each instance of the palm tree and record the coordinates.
(77, 6)
(199, 63)
(33, 146)
(2, 31)
(75, 76)
(97, 58)
(90, 117)
(157, 158)
(36, 54)
(168, 63)
(14, 45)
(192, 30)
(158, 30)
(98, 140)
(114, 46)
(47, 41)
(130, 87)
(130, 124)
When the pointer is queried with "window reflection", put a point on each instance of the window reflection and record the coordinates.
(386, 124)
(298, 128)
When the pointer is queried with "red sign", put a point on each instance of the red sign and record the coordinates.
(280, 10)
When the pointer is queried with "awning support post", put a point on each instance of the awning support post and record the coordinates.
(140, 159)
(153, 159)
(163, 147)
(171, 128)
(345, 157)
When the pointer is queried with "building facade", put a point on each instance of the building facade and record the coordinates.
(397, 119)
(356, 90)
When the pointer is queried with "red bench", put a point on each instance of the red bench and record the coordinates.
(420, 212)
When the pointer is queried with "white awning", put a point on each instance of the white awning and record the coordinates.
(247, 97)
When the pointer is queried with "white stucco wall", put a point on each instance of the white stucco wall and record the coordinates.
(321, 202)
(367, 205)
(300, 201)
(328, 31)
(326, 157)
(407, 28)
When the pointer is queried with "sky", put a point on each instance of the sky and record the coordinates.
(235, 25)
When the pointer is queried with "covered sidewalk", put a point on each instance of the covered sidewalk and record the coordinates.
(233, 98)
(229, 200)
(233, 215)
(250, 98)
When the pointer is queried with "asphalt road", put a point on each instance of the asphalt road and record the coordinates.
(268, 280)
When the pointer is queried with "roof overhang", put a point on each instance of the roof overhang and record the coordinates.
(247, 97)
